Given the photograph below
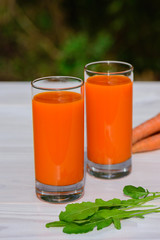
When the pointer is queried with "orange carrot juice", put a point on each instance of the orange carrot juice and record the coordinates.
(109, 118)
(58, 123)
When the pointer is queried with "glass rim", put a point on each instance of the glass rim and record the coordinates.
(108, 62)
(56, 78)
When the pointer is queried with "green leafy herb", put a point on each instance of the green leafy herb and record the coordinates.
(84, 217)
(117, 223)
(56, 224)
(135, 192)
(78, 211)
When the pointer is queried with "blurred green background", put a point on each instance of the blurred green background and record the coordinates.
(43, 37)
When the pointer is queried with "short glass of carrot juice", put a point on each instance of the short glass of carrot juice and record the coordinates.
(58, 136)
(108, 87)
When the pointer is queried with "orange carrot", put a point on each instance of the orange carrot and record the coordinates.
(146, 129)
(147, 144)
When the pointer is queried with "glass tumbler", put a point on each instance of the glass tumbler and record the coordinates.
(108, 87)
(58, 133)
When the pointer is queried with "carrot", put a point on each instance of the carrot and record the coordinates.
(145, 129)
(147, 144)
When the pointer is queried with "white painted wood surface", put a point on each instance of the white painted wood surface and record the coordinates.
(23, 216)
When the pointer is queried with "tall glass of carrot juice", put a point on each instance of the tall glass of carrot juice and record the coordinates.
(108, 87)
(58, 132)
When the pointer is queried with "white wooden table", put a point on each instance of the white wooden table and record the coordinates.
(23, 216)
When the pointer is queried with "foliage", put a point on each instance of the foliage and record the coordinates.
(40, 38)
(84, 217)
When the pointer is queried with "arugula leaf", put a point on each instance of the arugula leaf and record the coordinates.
(135, 192)
(76, 228)
(56, 224)
(117, 223)
(104, 223)
(78, 211)
(108, 213)
(115, 202)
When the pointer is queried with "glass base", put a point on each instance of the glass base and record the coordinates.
(109, 171)
(59, 194)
